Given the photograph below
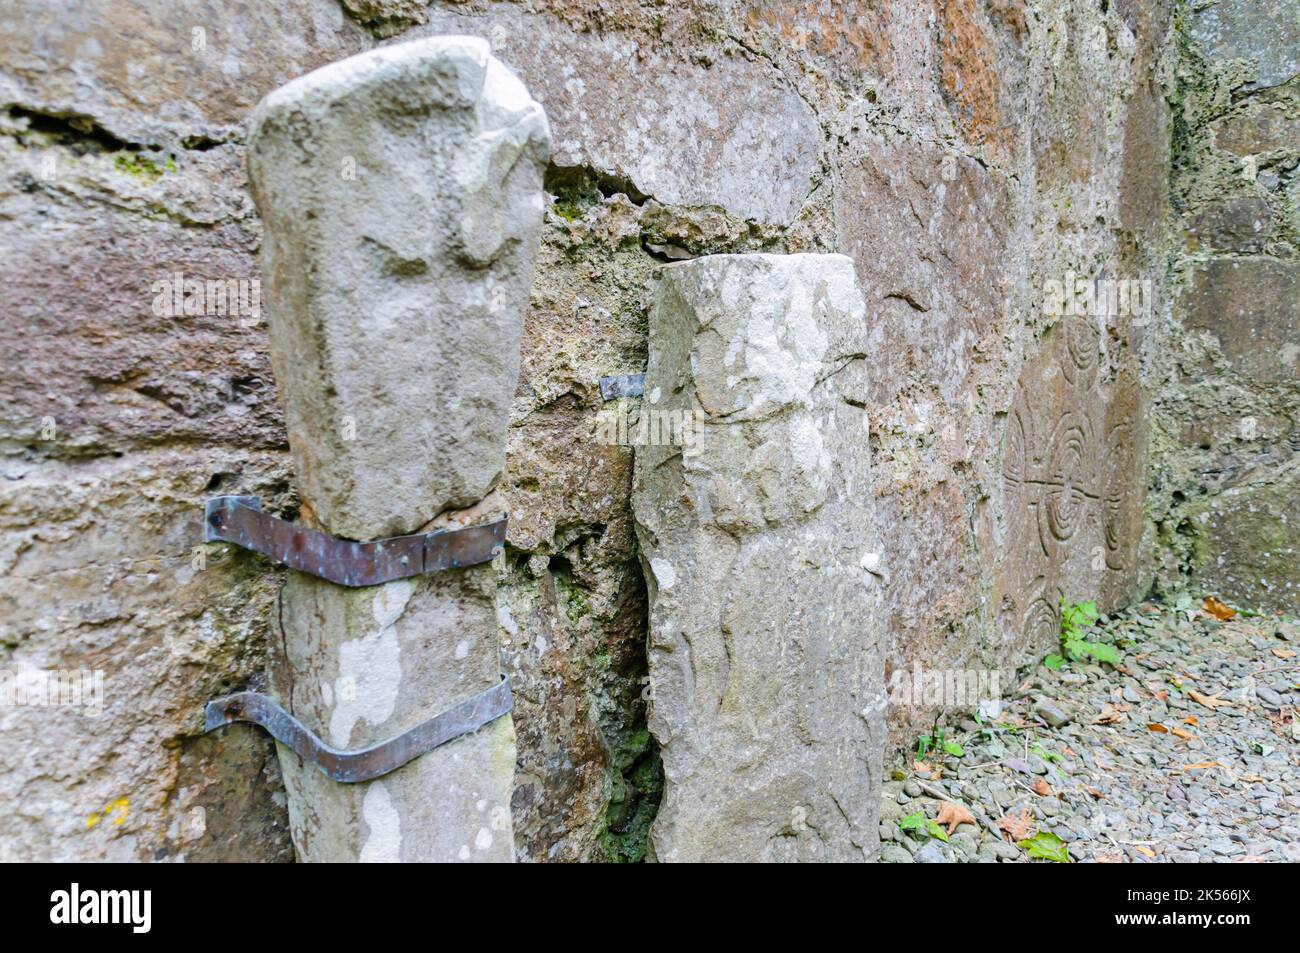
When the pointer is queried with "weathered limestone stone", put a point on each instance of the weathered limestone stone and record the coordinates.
(401, 195)
(1252, 307)
(1074, 480)
(363, 665)
(1241, 224)
(164, 73)
(758, 545)
(401, 192)
(1265, 33)
(1248, 543)
(926, 233)
(102, 575)
(685, 133)
(1257, 129)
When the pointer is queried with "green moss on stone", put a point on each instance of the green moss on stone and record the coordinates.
(142, 166)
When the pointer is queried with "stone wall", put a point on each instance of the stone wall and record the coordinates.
(1226, 372)
(961, 152)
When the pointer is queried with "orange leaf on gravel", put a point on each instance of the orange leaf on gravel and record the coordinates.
(954, 815)
(1209, 701)
(1042, 788)
(1217, 609)
(1017, 827)
(1110, 715)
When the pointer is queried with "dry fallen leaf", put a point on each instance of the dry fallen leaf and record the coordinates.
(1017, 827)
(1146, 852)
(953, 815)
(1217, 609)
(1110, 714)
(1192, 720)
(1097, 795)
(1109, 859)
(1201, 765)
(920, 767)
(1042, 788)
(1183, 733)
(1158, 728)
(1209, 701)
(1284, 653)
(1162, 695)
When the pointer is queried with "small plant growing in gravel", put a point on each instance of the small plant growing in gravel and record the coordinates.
(1076, 617)
(936, 741)
(920, 824)
(1049, 756)
(1046, 846)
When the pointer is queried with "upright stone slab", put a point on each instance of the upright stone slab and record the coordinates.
(401, 194)
(758, 542)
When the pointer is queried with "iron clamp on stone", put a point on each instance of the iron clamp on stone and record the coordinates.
(240, 520)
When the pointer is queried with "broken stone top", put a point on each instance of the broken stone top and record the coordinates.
(401, 193)
(441, 72)
(776, 331)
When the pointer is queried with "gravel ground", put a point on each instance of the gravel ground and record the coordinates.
(1142, 763)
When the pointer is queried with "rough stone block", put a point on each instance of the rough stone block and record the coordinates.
(364, 665)
(684, 133)
(1256, 129)
(1252, 306)
(1265, 33)
(1240, 224)
(1074, 458)
(104, 574)
(1248, 549)
(149, 73)
(401, 191)
(766, 664)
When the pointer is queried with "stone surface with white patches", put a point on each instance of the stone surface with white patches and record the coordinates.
(401, 194)
(384, 840)
(400, 191)
(766, 663)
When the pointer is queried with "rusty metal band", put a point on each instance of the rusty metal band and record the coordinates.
(364, 764)
(240, 520)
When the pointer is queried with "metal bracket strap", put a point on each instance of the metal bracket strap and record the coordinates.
(365, 764)
(240, 520)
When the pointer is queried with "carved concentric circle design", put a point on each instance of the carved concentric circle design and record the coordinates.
(1042, 621)
(1121, 496)
(1082, 341)
(1069, 470)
